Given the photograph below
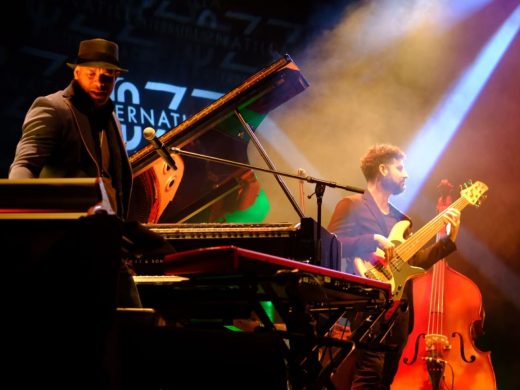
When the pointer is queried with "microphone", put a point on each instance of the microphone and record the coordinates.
(149, 134)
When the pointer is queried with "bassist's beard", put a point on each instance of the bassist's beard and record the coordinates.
(394, 188)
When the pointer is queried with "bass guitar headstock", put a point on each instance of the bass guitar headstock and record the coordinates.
(473, 192)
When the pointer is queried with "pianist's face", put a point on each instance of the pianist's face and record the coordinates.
(98, 83)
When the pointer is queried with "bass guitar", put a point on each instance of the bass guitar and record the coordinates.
(396, 270)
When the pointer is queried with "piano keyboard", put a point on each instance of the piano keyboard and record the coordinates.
(224, 230)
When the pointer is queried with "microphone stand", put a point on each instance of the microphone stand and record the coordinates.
(319, 189)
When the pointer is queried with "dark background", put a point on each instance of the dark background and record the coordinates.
(376, 69)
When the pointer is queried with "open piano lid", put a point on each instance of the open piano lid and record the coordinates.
(201, 190)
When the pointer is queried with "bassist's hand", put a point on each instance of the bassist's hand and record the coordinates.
(385, 245)
(451, 216)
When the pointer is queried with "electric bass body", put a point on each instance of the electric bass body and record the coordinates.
(396, 271)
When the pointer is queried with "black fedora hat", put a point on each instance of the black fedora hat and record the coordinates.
(100, 53)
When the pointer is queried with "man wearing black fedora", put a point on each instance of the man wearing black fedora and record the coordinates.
(75, 132)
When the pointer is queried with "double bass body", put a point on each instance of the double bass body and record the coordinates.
(441, 353)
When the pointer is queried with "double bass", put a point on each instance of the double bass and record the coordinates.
(448, 317)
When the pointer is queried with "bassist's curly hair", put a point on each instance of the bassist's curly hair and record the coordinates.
(376, 155)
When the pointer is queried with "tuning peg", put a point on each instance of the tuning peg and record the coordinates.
(481, 199)
(467, 184)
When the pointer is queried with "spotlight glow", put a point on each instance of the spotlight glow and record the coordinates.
(445, 120)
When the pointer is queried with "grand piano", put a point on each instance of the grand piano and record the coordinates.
(189, 205)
